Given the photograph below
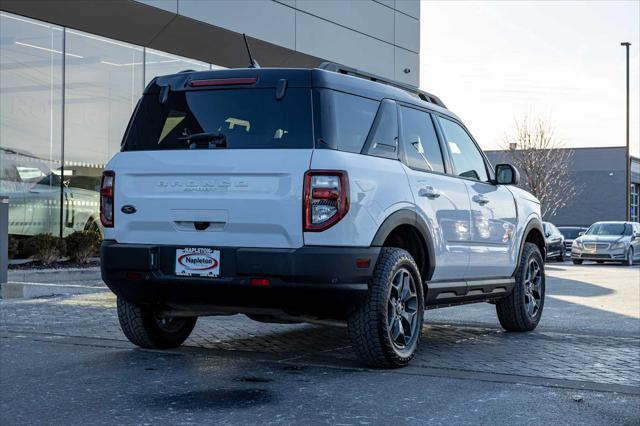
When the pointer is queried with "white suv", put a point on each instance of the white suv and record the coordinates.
(322, 194)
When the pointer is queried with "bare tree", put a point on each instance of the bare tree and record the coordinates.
(543, 162)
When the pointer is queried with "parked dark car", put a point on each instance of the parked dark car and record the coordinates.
(570, 233)
(555, 242)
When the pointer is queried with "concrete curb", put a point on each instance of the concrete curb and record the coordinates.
(33, 290)
(54, 276)
(32, 283)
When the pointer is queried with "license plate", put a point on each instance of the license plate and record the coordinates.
(198, 262)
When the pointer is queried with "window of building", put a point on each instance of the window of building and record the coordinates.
(30, 122)
(160, 63)
(467, 159)
(419, 141)
(635, 202)
(102, 81)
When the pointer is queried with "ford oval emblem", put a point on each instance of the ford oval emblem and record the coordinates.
(128, 209)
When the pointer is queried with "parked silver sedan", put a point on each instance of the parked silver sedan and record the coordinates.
(608, 242)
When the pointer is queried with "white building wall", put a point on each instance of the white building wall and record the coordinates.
(381, 37)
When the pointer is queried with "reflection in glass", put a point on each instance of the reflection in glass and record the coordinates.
(102, 85)
(103, 80)
(30, 123)
(161, 63)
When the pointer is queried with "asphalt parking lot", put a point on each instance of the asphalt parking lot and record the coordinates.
(65, 361)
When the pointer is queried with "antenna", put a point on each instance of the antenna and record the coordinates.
(254, 63)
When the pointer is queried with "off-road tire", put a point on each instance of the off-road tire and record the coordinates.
(141, 326)
(577, 261)
(512, 310)
(368, 323)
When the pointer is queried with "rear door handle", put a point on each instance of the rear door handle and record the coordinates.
(480, 199)
(429, 192)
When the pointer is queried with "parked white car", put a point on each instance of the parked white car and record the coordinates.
(311, 194)
(36, 192)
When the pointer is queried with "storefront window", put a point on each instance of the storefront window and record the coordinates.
(161, 63)
(30, 123)
(103, 81)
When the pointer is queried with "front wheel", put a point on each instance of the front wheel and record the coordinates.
(144, 327)
(385, 329)
(629, 261)
(577, 261)
(522, 309)
(560, 257)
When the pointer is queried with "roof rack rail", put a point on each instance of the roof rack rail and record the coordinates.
(342, 69)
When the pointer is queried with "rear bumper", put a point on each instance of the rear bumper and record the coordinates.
(307, 279)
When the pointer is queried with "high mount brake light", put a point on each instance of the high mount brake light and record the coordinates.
(223, 81)
(107, 186)
(326, 198)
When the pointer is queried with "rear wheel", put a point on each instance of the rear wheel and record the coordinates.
(577, 261)
(522, 309)
(144, 327)
(385, 329)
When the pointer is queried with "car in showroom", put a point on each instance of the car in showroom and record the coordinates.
(324, 194)
(570, 233)
(608, 242)
(555, 242)
(36, 190)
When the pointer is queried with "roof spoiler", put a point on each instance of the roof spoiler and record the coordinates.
(342, 69)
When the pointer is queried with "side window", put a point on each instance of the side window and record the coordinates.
(383, 138)
(419, 141)
(8, 173)
(467, 159)
(345, 119)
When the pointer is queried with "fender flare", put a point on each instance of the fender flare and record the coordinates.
(411, 218)
(533, 223)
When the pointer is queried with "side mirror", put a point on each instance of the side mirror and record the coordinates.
(506, 174)
(547, 234)
(580, 234)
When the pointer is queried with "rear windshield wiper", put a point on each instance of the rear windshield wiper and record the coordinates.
(205, 140)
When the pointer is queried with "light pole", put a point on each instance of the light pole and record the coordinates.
(626, 44)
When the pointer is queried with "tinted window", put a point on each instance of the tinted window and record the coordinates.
(345, 120)
(467, 159)
(383, 138)
(246, 118)
(420, 142)
(571, 233)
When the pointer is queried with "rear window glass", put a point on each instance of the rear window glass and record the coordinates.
(571, 232)
(345, 120)
(231, 119)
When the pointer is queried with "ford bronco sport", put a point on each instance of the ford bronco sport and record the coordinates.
(323, 194)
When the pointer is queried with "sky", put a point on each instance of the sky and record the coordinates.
(493, 62)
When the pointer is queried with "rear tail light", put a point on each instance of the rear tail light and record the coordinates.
(326, 198)
(107, 187)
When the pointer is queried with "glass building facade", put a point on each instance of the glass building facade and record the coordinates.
(65, 100)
